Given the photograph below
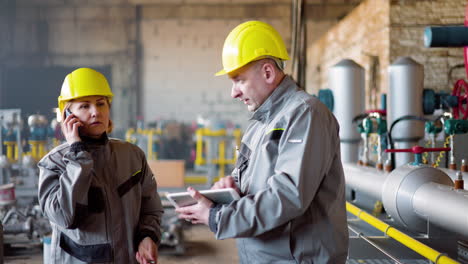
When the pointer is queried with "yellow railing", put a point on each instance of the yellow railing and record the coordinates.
(150, 134)
(221, 161)
(420, 248)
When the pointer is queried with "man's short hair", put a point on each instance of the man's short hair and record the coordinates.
(280, 64)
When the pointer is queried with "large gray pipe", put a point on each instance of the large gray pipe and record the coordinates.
(364, 179)
(398, 192)
(346, 80)
(406, 78)
(443, 206)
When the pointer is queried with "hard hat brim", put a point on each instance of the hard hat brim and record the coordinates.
(221, 72)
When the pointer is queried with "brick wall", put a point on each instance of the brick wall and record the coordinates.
(408, 20)
(379, 31)
(180, 58)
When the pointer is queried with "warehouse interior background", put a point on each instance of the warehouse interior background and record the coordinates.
(160, 57)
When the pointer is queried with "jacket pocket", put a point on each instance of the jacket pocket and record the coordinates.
(130, 183)
(242, 162)
(89, 253)
(95, 200)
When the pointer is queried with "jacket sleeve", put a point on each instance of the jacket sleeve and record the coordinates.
(305, 153)
(151, 209)
(64, 181)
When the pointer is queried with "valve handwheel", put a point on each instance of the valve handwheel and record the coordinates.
(418, 150)
(465, 49)
(460, 90)
(462, 84)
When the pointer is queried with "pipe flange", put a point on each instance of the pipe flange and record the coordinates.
(399, 188)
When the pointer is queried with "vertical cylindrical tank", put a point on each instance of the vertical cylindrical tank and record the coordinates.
(1, 242)
(46, 240)
(346, 80)
(405, 93)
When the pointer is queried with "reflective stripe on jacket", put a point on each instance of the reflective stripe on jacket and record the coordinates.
(292, 184)
(101, 201)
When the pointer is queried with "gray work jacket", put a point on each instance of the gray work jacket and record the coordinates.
(101, 200)
(292, 184)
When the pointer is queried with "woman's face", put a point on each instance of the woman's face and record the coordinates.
(93, 112)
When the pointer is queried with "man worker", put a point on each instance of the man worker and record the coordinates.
(288, 172)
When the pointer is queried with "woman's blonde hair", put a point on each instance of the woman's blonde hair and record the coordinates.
(110, 126)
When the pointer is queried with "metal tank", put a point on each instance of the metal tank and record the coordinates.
(405, 93)
(346, 80)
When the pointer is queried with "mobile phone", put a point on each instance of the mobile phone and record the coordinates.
(67, 113)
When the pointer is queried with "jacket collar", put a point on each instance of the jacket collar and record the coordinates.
(272, 104)
(96, 141)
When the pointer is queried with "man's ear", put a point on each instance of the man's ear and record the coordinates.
(269, 73)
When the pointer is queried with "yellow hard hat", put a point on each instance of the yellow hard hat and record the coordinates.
(250, 41)
(83, 82)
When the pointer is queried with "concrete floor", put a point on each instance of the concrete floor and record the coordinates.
(201, 247)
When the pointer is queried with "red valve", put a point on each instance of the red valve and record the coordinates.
(465, 49)
(418, 150)
(460, 90)
(382, 112)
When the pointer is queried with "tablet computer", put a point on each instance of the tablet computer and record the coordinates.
(221, 196)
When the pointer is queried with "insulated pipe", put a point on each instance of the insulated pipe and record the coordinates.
(443, 206)
(346, 80)
(365, 180)
(398, 192)
(406, 78)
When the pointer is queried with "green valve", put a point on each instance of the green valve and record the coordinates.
(326, 97)
(431, 128)
(360, 128)
(367, 126)
(381, 126)
(456, 126)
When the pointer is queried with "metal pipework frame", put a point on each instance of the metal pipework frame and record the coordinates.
(207, 138)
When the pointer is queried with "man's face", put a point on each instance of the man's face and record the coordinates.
(248, 85)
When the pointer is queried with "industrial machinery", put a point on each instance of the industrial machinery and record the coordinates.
(147, 139)
(407, 200)
(21, 147)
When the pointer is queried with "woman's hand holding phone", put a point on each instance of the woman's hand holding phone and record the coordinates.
(71, 127)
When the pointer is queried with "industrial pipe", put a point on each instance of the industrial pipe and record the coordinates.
(442, 206)
(365, 180)
(446, 36)
(398, 193)
(413, 196)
